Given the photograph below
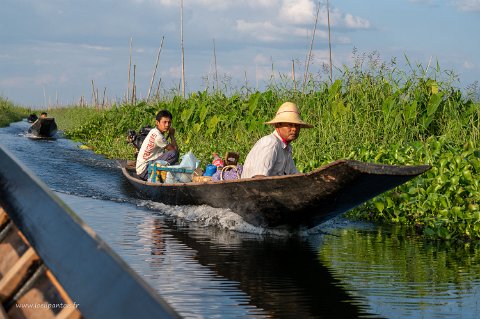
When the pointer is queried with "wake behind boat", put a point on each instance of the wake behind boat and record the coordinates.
(43, 128)
(294, 201)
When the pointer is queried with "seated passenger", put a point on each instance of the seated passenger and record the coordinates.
(160, 144)
(32, 118)
(272, 154)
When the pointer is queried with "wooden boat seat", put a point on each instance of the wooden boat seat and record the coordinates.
(27, 288)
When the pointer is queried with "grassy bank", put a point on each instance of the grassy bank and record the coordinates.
(9, 112)
(373, 112)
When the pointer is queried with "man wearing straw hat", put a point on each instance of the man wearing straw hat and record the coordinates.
(272, 154)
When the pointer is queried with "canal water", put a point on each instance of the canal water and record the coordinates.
(208, 263)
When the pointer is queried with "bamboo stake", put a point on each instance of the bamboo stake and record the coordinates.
(94, 99)
(215, 64)
(44, 98)
(293, 76)
(157, 93)
(103, 100)
(246, 81)
(272, 75)
(134, 86)
(329, 42)
(129, 69)
(256, 76)
(309, 56)
(155, 69)
(181, 44)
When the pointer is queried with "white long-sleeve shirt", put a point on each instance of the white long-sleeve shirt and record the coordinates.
(270, 156)
(152, 147)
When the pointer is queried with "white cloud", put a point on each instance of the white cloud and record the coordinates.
(356, 22)
(211, 4)
(344, 20)
(468, 65)
(261, 59)
(264, 31)
(297, 11)
(174, 71)
(425, 2)
(468, 5)
(462, 5)
(22, 81)
(262, 3)
(95, 47)
(15, 82)
(294, 19)
(50, 79)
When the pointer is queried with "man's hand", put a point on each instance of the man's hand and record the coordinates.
(173, 144)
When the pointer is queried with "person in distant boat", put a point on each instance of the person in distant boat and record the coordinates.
(32, 118)
(42, 115)
(272, 154)
(160, 144)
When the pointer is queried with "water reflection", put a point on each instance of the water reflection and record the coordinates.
(402, 276)
(281, 275)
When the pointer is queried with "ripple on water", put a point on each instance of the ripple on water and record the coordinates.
(141, 237)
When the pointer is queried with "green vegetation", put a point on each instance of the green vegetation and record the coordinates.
(373, 112)
(10, 112)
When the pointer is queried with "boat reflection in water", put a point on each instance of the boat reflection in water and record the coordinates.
(282, 277)
(349, 269)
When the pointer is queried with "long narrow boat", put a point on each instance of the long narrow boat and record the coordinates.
(52, 265)
(44, 127)
(294, 201)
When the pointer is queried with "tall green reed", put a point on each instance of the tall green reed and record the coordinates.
(10, 112)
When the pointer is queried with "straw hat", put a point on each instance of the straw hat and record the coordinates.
(289, 113)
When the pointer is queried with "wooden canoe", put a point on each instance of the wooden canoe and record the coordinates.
(52, 265)
(295, 201)
(44, 127)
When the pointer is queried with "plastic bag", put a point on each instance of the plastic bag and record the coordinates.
(189, 161)
(173, 178)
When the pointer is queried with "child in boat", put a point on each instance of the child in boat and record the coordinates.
(160, 144)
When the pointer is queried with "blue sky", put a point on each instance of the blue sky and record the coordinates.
(52, 50)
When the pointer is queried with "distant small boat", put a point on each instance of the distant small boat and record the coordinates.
(293, 201)
(44, 127)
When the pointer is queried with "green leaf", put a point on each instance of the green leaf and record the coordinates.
(380, 206)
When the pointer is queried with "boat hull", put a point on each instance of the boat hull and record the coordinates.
(43, 128)
(49, 256)
(294, 201)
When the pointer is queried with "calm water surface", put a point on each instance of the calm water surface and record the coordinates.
(207, 263)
